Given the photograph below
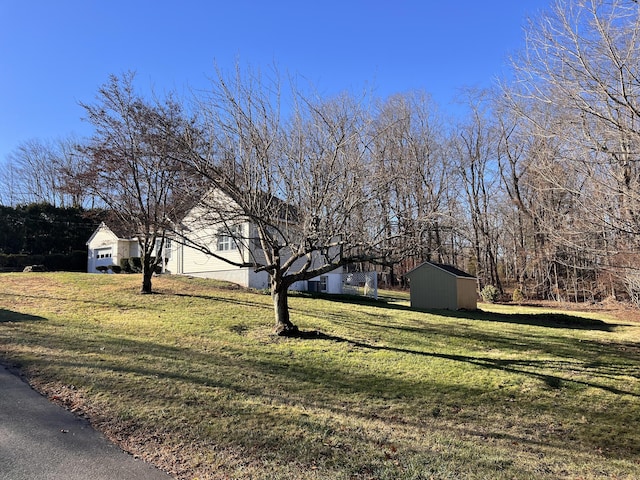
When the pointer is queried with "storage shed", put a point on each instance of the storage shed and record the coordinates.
(437, 286)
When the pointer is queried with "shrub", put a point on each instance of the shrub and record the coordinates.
(135, 264)
(14, 262)
(115, 268)
(517, 296)
(130, 265)
(78, 261)
(490, 294)
(102, 269)
(125, 267)
(73, 262)
(56, 262)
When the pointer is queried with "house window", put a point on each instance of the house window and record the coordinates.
(163, 248)
(323, 283)
(228, 238)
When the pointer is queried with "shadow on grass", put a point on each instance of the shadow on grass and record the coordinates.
(269, 379)
(11, 316)
(215, 298)
(511, 366)
(547, 319)
(81, 301)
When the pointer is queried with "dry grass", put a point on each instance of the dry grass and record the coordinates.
(192, 380)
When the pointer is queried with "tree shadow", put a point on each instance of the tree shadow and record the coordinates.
(346, 298)
(234, 367)
(215, 298)
(508, 365)
(111, 304)
(545, 319)
(7, 316)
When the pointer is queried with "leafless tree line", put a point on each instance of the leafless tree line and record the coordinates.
(570, 149)
(537, 187)
(36, 172)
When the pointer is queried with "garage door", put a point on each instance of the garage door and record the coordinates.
(104, 256)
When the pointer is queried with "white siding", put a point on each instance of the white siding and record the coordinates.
(190, 261)
(186, 260)
(333, 282)
(258, 280)
(102, 241)
(102, 237)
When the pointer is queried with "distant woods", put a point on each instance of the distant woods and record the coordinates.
(536, 187)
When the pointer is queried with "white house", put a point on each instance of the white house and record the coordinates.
(235, 240)
(108, 247)
(187, 260)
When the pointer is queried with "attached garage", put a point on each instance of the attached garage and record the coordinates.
(106, 248)
(438, 286)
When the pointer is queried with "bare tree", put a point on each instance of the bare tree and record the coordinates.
(69, 164)
(476, 153)
(9, 194)
(130, 164)
(581, 69)
(408, 150)
(304, 182)
(36, 172)
(583, 59)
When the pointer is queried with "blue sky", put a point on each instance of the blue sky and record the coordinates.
(54, 54)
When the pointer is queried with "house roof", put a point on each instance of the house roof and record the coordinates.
(118, 231)
(447, 268)
(114, 231)
(254, 204)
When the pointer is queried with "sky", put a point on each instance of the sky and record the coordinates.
(55, 54)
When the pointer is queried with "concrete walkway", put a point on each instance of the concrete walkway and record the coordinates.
(42, 441)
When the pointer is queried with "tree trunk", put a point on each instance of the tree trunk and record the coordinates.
(283, 327)
(147, 274)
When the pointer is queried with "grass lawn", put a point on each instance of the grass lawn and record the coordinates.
(192, 379)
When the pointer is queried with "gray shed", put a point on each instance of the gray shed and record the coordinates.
(437, 286)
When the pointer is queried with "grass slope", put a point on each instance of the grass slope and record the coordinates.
(192, 380)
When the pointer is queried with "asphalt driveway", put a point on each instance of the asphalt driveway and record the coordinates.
(42, 441)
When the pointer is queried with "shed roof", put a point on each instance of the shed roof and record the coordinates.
(447, 268)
